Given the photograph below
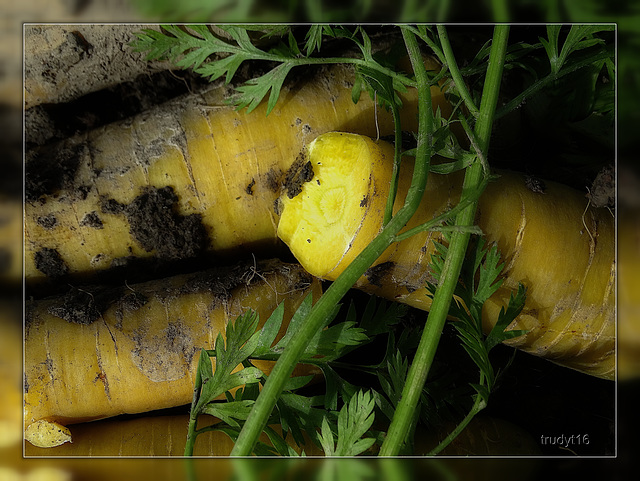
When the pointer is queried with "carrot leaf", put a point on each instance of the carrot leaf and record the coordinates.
(354, 420)
(498, 332)
(220, 55)
(479, 280)
(230, 412)
(242, 342)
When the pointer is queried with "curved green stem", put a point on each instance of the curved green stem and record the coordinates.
(478, 406)
(471, 135)
(455, 71)
(404, 415)
(318, 315)
(388, 213)
(539, 85)
(297, 62)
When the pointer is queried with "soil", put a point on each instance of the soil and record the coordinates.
(222, 280)
(86, 304)
(48, 221)
(82, 306)
(92, 220)
(603, 189)
(249, 188)
(273, 180)
(156, 225)
(535, 184)
(300, 172)
(64, 62)
(51, 169)
(54, 121)
(50, 263)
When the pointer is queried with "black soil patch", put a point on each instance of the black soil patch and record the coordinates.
(88, 304)
(301, 171)
(133, 300)
(47, 221)
(50, 262)
(277, 206)
(249, 188)
(130, 302)
(376, 274)
(112, 104)
(79, 307)
(273, 180)
(221, 281)
(156, 225)
(51, 169)
(535, 184)
(91, 220)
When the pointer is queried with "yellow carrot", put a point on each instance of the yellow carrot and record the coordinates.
(95, 354)
(152, 436)
(191, 176)
(565, 260)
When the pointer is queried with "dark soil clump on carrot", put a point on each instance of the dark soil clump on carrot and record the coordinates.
(155, 224)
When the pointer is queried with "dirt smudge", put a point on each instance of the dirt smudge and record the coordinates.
(156, 224)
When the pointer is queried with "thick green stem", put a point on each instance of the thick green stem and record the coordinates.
(318, 315)
(191, 437)
(191, 430)
(404, 415)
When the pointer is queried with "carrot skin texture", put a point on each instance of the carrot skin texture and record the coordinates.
(570, 277)
(139, 353)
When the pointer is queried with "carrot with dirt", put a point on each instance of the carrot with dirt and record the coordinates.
(190, 177)
(65, 62)
(98, 353)
(565, 261)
